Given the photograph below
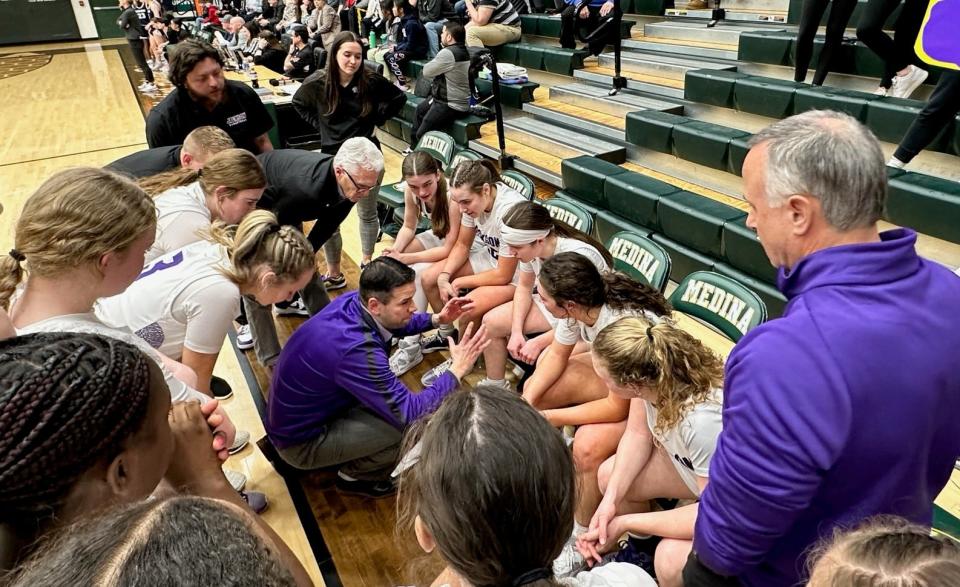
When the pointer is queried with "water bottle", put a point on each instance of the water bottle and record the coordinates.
(253, 78)
(373, 39)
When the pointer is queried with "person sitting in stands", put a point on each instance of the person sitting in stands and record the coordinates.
(450, 90)
(492, 23)
(586, 19)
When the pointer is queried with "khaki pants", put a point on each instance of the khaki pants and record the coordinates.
(491, 35)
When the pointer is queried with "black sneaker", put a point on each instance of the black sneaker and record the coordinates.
(220, 388)
(437, 342)
(372, 489)
(331, 282)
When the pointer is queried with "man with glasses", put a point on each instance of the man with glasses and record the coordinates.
(305, 186)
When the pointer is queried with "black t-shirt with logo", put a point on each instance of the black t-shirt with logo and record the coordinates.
(241, 114)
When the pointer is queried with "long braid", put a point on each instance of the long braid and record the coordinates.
(67, 402)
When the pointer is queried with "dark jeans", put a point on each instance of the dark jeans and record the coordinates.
(936, 115)
(363, 444)
(136, 47)
(840, 12)
(897, 52)
(570, 21)
(697, 574)
(432, 115)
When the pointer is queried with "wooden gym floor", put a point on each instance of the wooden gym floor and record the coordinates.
(80, 107)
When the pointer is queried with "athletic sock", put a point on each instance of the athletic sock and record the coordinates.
(578, 530)
(446, 330)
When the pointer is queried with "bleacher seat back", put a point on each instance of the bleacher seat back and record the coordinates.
(373, 66)
(461, 156)
(439, 145)
(640, 258)
(720, 301)
(570, 212)
(319, 58)
(519, 182)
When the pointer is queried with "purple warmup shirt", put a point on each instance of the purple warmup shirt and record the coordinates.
(844, 408)
(337, 360)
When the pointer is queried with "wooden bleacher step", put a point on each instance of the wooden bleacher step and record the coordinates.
(725, 33)
(648, 84)
(659, 64)
(738, 11)
(682, 47)
(594, 97)
(561, 141)
(542, 165)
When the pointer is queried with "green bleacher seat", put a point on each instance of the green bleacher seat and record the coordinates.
(771, 296)
(530, 56)
(889, 119)
(640, 258)
(607, 224)
(705, 143)
(562, 61)
(765, 96)
(584, 177)
(459, 157)
(739, 147)
(592, 209)
(414, 68)
(720, 301)
(684, 260)
(513, 95)
(774, 47)
(743, 250)
(463, 130)
(711, 86)
(634, 197)
(546, 25)
(507, 53)
(696, 221)
(828, 98)
(570, 212)
(648, 7)
(406, 130)
(928, 204)
(392, 127)
(653, 129)
(519, 182)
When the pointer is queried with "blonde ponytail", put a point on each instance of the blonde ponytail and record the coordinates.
(259, 241)
(233, 169)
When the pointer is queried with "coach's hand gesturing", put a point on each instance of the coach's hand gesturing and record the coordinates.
(466, 352)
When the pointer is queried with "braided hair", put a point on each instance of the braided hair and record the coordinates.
(67, 402)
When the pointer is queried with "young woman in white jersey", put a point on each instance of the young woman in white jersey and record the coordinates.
(674, 385)
(78, 248)
(532, 236)
(483, 200)
(189, 200)
(184, 303)
(508, 528)
(426, 197)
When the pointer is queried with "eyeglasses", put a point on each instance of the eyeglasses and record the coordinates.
(360, 188)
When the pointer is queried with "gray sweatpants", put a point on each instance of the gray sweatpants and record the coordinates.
(369, 228)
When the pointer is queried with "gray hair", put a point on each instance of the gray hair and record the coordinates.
(358, 154)
(828, 155)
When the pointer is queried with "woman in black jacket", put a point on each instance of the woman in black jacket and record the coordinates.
(343, 101)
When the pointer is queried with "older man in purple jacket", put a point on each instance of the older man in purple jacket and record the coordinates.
(846, 407)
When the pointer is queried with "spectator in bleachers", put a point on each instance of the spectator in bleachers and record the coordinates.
(204, 97)
(859, 375)
(936, 115)
(134, 32)
(270, 15)
(840, 13)
(172, 31)
(252, 9)
(376, 20)
(887, 551)
(901, 75)
(327, 25)
(344, 101)
(251, 34)
(299, 61)
(269, 52)
(211, 16)
(201, 144)
(334, 400)
(432, 14)
(411, 41)
(290, 17)
(674, 385)
(586, 20)
(449, 97)
(491, 23)
(490, 486)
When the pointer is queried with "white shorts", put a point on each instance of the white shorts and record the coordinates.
(551, 319)
(429, 240)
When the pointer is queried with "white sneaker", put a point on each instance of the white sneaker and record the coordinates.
(295, 308)
(904, 85)
(402, 361)
(147, 87)
(244, 338)
(240, 441)
(433, 374)
(237, 480)
(880, 91)
(570, 560)
(488, 381)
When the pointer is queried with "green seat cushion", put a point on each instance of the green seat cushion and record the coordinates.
(683, 260)
(739, 147)
(562, 61)
(584, 177)
(530, 56)
(765, 96)
(592, 209)
(720, 301)
(571, 213)
(635, 196)
(392, 195)
(743, 250)
(640, 258)
(519, 182)
(771, 296)
(826, 98)
(513, 95)
(774, 47)
(930, 205)
(705, 143)
(696, 221)
(653, 129)
(889, 119)
(710, 86)
(607, 224)
(406, 130)
(507, 53)
(410, 107)
(392, 127)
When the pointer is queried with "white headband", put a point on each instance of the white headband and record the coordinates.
(521, 236)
